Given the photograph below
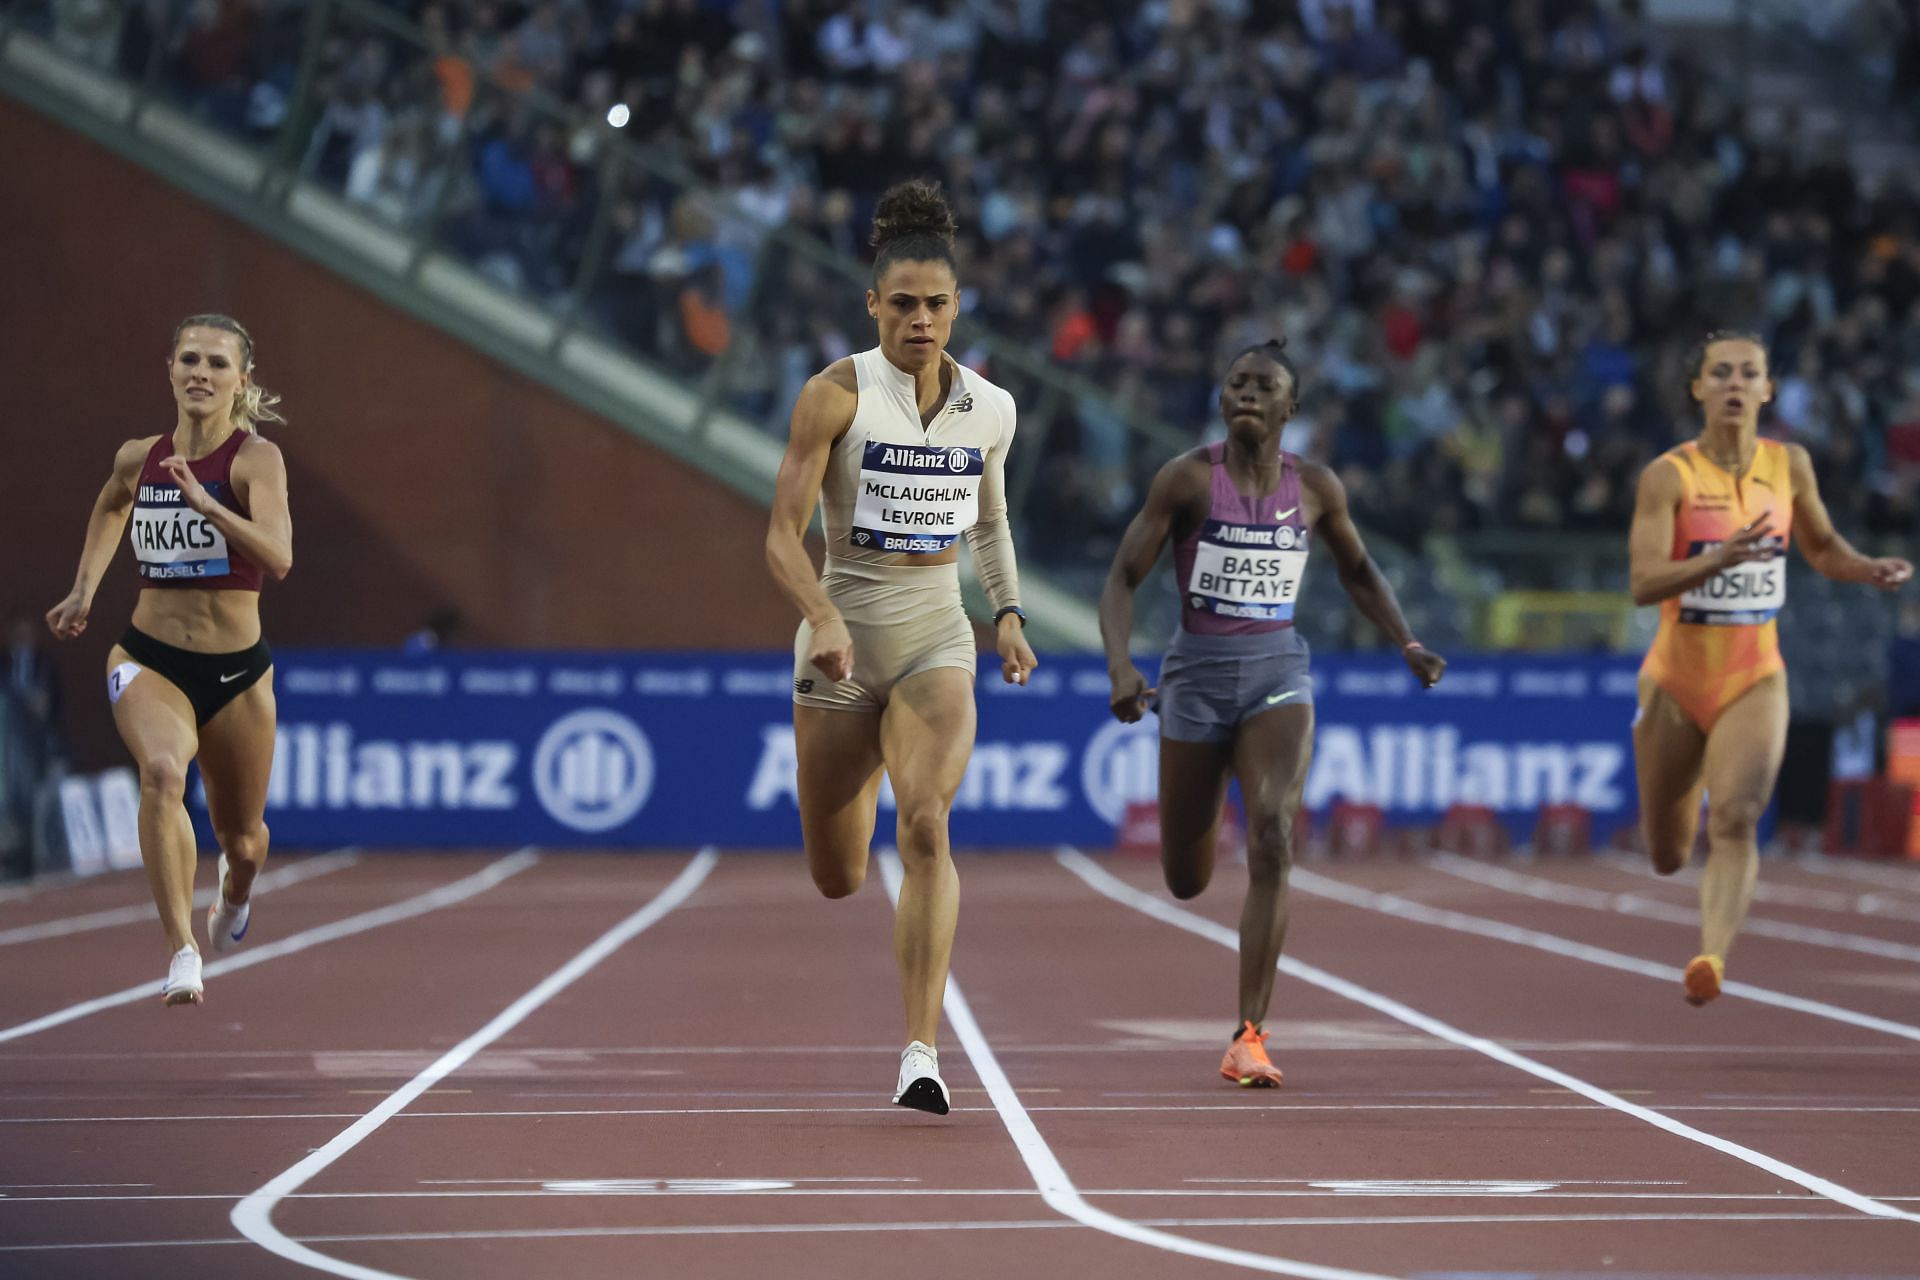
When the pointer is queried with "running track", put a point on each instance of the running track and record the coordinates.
(507, 1065)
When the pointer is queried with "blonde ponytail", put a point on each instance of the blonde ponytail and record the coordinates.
(254, 404)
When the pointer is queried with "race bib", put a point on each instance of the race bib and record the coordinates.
(1742, 596)
(916, 498)
(172, 540)
(1247, 571)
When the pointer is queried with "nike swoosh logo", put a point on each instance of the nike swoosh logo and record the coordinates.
(229, 679)
(1282, 515)
(1282, 697)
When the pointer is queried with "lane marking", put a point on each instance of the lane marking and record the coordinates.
(1010, 1224)
(1110, 886)
(445, 896)
(1792, 895)
(1903, 879)
(269, 881)
(586, 1191)
(883, 1109)
(1050, 1176)
(1566, 948)
(1628, 904)
(253, 1216)
(37, 885)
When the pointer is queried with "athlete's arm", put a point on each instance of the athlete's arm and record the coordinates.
(821, 415)
(1178, 487)
(1829, 553)
(991, 541)
(260, 481)
(1652, 574)
(1366, 586)
(104, 527)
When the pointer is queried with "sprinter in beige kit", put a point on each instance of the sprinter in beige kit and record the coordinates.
(906, 451)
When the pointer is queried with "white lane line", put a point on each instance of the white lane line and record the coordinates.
(253, 1216)
(1629, 904)
(882, 1109)
(1105, 883)
(1879, 905)
(1553, 944)
(598, 1191)
(1056, 1188)
(445, 896)
(1009, 1224)
(279, 878)
(34, 886)
(1905, 878)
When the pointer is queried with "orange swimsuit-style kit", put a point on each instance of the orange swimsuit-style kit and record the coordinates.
(1719, 639)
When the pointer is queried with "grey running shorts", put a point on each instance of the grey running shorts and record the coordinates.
(1210, 684)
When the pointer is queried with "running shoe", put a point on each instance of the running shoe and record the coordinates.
(1247, 1064)
(226, 922)
(183, 985)
(920, 1084)
(1703, 977)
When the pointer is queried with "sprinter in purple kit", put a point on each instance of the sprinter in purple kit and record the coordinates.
(1234, 694)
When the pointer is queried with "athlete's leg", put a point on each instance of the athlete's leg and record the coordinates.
(1270, 755)
(1193, 787)
(236, 761)
(926, 737)
(156, 722)
(1668, 752)
(839, 783)
(1743, 760)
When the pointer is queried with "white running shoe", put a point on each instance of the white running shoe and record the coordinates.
(226, 923)
(920, 1084)
(183, 985)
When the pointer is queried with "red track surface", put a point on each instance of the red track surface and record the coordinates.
(709, 1100)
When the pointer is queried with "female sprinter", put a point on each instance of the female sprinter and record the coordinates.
(192, 675)
(906, 451)
(1709, 543)
(1234, 694)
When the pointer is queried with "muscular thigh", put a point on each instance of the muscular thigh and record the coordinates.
(1193, 787)
(153, 716)
(839, 780)
(236, 758)
(1746, 746)
(1270, 757)
(926, 735)
(1669, 752)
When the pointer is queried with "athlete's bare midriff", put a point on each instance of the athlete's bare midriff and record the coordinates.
(200, 621)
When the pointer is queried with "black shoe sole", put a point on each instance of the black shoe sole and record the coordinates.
(924, 1095)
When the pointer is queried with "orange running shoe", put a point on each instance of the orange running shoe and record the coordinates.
(1703, 977)
(1247, 1064)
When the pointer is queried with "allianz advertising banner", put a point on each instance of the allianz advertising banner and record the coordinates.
(637, 750)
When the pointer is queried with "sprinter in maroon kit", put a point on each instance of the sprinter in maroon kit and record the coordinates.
(192, 676)
(1234, 694)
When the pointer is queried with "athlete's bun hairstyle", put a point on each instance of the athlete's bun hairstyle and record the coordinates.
(1274, 349)
(912, 223)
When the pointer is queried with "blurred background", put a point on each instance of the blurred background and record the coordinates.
(540, 280)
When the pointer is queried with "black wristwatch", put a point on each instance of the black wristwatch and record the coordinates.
(1016, 611)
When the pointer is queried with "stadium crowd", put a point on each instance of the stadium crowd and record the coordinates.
(1490, 229)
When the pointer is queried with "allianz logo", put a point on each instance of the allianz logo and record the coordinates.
(1003, 776)
(1397, 767)
(592, 770)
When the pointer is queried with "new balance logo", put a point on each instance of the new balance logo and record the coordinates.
(803, 686)
(963, 405)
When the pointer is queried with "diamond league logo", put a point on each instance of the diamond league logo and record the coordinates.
(1120, 767)
(593, 770)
